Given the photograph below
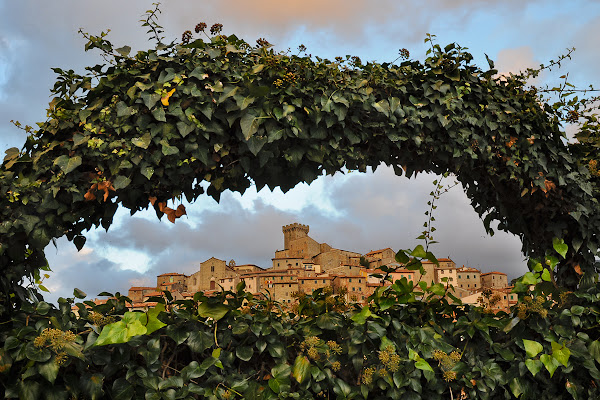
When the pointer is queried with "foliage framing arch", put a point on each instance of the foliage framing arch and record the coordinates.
(157, 123)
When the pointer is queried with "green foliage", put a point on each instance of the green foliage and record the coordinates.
(151, 125)
(419, 348)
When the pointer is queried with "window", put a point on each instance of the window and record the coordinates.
(290, 285)
(315, 282)
(459, 277)
(212, 268)
(360, 280)
(302, 281)
(353, 289)
(349, 279)
(475, 285)
(282, 278)
(504, 297)
(467, 276)
(278, 263)
(323, 280)
(360, 290)
(296, 264)
(468, 285)
(230, 280)
(170, 279)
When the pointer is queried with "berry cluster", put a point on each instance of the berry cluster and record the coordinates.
(57, 340)
(447, 363)
(404, 53)
(389, 358)
(262, 42)
(216, 29)
(200, 27)
(186, 37)
(593, 166)
(530, 305)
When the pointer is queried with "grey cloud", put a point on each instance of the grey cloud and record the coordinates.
(93, 274)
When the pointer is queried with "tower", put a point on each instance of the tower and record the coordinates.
(292, 232)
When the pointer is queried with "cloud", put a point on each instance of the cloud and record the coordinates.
(86, 271)
(515, 60)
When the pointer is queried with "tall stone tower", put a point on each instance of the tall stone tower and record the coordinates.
(292, 232)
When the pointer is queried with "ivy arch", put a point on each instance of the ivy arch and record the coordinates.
(151, 126)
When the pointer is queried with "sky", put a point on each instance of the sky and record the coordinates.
(352, 211)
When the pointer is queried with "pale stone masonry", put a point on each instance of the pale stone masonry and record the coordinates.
(305, 265)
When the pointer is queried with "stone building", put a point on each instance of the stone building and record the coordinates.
(356, 287)
(210, 272)
(137, 293)
(377, 258)
(468, 278)
(308, 284)
(431, 275)
(494, 279)
(300, 248)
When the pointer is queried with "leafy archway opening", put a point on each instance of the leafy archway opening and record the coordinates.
(151, 126)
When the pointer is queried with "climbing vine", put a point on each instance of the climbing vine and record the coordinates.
(151, 126)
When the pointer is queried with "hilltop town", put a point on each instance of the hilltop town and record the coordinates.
(305, 265)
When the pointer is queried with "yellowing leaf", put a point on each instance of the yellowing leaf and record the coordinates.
(165, 97)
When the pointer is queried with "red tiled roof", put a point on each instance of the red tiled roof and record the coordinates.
(172, 274)
(142, 288)
(144, 304)
(377, 251)
(493, 272)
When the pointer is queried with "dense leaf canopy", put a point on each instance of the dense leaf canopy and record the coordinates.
(151, 126)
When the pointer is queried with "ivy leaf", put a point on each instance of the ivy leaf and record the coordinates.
(244, 353)
(124, 51)
(361, 317)
(154, 323)
(255, 144)
(184, 129)
(301, 368)
(143, 141)
(49, 370)
(529, 279)
(419, 252)
(550, 363)
(79, 294)
(560, 246)
(401, 257)
(79, 241)
(121, 182)
(159, 114)
(167, 149)
(249, 124)
(533, 366)
(147, 171)
(546, 275)
(532, 348)
(68, 164)
(560, 352)
(214, 311)
(112, 333)
(423, 365)
(594, 349)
